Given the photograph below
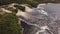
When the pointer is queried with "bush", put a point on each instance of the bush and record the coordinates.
(9, 24)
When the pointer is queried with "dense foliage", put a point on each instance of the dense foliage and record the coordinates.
(9, 24)
(31, 2)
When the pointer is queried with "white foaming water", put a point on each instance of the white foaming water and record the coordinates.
(42, 27)
(42, 9)
(38, 9)
(8, 6)
(27, 9)
(43, 12)
(40, 31)
(12, 5)
(28, 15)
(6, 10)
(29, 23)
(40, 5)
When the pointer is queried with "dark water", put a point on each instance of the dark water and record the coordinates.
(33, 25)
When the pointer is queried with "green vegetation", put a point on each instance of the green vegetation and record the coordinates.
(31, 2)
(9, 24)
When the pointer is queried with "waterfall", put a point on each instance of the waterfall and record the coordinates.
(40, 20)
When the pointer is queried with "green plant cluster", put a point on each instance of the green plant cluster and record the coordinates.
(31, 2)
(9, 24)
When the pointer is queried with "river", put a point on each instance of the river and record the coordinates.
(43, 24)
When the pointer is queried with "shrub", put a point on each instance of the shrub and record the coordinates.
(9, 24)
